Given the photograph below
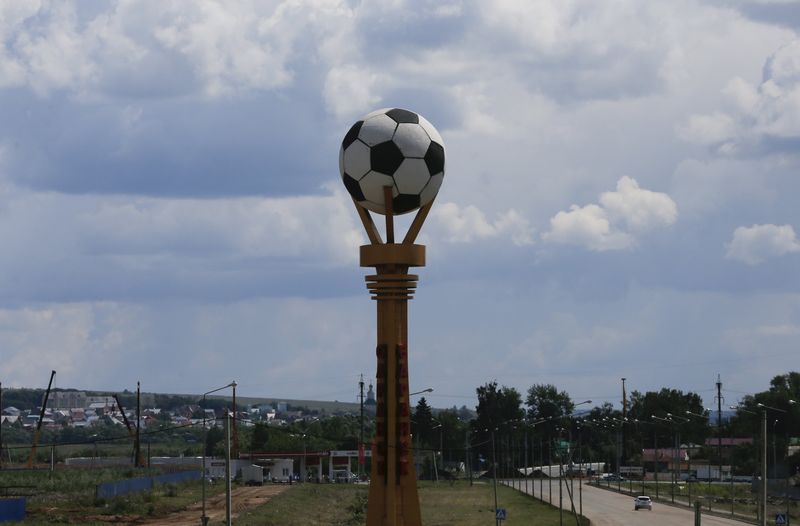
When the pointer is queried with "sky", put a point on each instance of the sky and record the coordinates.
(620, 198)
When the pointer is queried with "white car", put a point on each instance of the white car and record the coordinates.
(642, 501)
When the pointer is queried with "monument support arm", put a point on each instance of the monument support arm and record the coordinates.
(416, 225)
(369, 225)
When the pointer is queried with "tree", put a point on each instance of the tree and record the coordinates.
(215, 439)
(546, 401)
(668, 402)
(497, 407)
(453, 434)
(783, 424)
(547, 405)
(599, 433)
(259, 437)
(422, 423)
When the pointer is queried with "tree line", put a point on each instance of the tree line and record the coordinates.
(547, 424)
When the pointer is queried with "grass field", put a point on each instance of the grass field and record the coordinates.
(441, 505)
(67, 497)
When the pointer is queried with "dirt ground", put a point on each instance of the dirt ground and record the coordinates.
(242, 499)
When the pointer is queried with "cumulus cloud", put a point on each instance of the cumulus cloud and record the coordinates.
(766, 116)
(219, 47)
(321, 228)
(637, 208)
(587, 226)
(615, 222)
(757, 243)
(83, 244)
(456, 224)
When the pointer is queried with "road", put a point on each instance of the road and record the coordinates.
(608, 508)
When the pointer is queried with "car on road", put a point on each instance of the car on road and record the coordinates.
(644, 502)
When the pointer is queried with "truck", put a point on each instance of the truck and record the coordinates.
(280, 469)
(252, 475)
(704, 472)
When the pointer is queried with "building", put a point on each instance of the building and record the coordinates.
(369, 403)
(67, 400)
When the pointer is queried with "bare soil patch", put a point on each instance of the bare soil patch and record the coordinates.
(242, 499)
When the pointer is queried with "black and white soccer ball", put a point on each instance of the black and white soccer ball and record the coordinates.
(397, 148)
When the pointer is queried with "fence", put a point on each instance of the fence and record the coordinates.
(12, 509)
(122, 487)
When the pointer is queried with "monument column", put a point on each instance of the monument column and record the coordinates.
(392, 162)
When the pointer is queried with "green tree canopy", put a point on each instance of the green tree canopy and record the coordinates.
(669, 404)
(497, 406)
(259, 438)
(546, 401)
(422, 424)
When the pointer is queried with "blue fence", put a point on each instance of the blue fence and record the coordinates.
(122, 487)
(178, 476)
(12, 509)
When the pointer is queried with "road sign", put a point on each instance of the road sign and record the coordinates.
(562, 445)
(780, 518)
(500, 514)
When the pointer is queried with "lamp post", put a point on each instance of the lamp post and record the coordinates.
(227, 468)
(494, 463)
(204, 518)
(682, 419)
(441, 440)
(708, 467)
(672, 424)
(764, 408)
(494, 474)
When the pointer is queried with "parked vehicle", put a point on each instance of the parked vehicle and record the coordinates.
(343, 476)
(253, 475)
(644, 502)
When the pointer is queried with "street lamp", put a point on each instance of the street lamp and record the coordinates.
(428, 390)
(764, 408)
(441, 450)
(698, 415)
(204, 518)
(494, 475)
(674, 454)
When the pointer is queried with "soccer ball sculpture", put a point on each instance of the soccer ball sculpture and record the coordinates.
(397, 148)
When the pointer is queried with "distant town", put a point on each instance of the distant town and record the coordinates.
(81, 409)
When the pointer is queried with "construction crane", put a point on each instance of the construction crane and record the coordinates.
(39, 423)
(131, 429)
(124, 417)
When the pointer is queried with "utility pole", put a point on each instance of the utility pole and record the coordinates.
(719, 427)
(361, 423)
(227, 468)
(468, 455)
(624, 419)
(137, 443)
(1, 426)
(764, 467)
(494, 480)
(235, 448)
